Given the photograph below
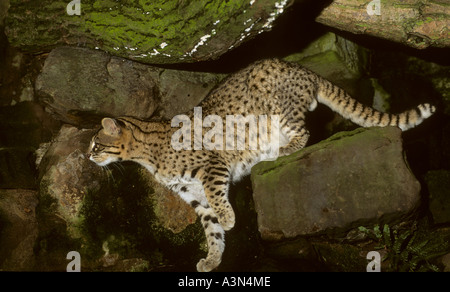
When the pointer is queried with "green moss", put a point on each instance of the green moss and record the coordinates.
(324, 44)
(408, 250)
(141, 267)
(382, 98)
(136, 29)
(341, 257)
(363, 25)
(264, 168)
(121, 219)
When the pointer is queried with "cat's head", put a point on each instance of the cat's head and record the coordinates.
(110, 143)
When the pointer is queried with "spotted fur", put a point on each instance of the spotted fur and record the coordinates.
(202, 177)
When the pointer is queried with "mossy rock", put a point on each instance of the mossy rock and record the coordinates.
(118, 218)
(148, 31)
(123, 222)
(352, 177)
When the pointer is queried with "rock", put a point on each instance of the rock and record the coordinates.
(299, 248)
(438, 182)
(23, 127)
(19, 229)
(117, 217)
(442, 85)
(333, 57)
(17, 168)
(15, 77)
(343, 62)
(79, 86)
(437, 74)
(147, 31)
(25, 124)
(4, 4)
(341, 257)
(181, 91)
(66, 176)
(170, 210)
(350, 178)
(410, 25)
(130, 265)
(77, 81)
(132, 215)
(446, 262)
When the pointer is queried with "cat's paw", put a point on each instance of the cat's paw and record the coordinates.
(284, 151)
(207, 265)
(227, 224)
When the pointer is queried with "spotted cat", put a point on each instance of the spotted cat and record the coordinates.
(202, 177)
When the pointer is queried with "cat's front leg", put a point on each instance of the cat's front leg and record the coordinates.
(215, 237)
(215, 184)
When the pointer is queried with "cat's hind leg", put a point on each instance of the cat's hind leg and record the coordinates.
(297, 140)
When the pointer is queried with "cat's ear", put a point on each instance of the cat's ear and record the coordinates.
(111, 127)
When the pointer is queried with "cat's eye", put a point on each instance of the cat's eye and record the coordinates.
(94, 146)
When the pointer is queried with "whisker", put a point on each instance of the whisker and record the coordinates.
(119, 167)
(109, 174)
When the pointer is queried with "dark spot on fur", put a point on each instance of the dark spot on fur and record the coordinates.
(195, 204)
(194, 172)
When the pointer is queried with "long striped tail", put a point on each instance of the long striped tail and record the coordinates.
(342, 103)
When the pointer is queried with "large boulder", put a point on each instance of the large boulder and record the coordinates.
(152, 32)
(349, 179)
(79, 86)
(67, 176)
(77, 82)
